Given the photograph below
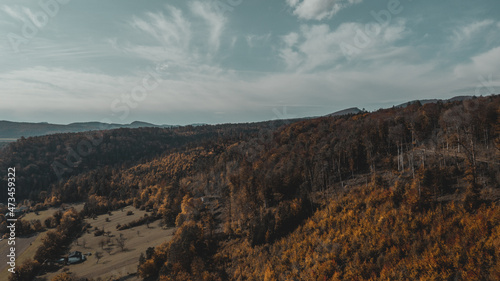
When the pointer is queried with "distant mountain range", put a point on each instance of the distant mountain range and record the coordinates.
(15, 130)
(10, 131)
(355, 110)
(458, 98)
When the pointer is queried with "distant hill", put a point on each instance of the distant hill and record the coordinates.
(15, 130)
(352, 110)
(457, 98)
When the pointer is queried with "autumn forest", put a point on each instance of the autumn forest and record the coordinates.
(404, 193)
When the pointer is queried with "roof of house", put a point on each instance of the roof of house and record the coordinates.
(75, 254)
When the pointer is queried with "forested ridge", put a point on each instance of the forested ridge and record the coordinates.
(43, 161)
(400, 193)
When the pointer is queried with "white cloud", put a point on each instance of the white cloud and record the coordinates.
(291, 39)
(171, 34)
(319, 9)
(178, 37)
(481, 73)
(291, 58)
(289, 53)
(467, 32)
(394, 32)
(316, 46)
(185, 46)
(60, 78)
(173, 31)
(205, 93)
(485, 64)
(213, 17)
(58, 89)
(23, 14)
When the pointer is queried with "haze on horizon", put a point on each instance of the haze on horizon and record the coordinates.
(183, 62)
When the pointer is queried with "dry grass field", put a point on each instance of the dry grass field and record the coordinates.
(25, 249)
(27, 246)
(43, 215)
(115, 263)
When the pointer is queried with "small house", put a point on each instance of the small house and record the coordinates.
(76, 257)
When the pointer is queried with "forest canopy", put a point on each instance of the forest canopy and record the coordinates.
(401, 193)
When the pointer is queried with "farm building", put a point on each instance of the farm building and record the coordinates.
(73, 257)
(76, 257)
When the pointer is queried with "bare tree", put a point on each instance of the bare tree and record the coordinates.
(98, 256)
(120, 242)
(108, 250)
(102, 243)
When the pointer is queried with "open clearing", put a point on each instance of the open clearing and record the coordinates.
(43, 215)
(115, 263)
(27, 246)
(25, 249)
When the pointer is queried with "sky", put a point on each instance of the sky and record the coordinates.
(226, 61)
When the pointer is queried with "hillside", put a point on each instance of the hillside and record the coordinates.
(42, 161)
(353, 110)
(401, 193)
(425, 101)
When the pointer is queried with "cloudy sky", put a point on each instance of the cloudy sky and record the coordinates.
(219, 61)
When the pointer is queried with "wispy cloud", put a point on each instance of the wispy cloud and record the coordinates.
(214, 18)
(242, 62)
(177, 36)
(468, 31)
(319, 9)
(23, 14)
(318, 46)
(172, 35)
(233, 41)
(60, 81)
(487, 63)
(257, 40)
